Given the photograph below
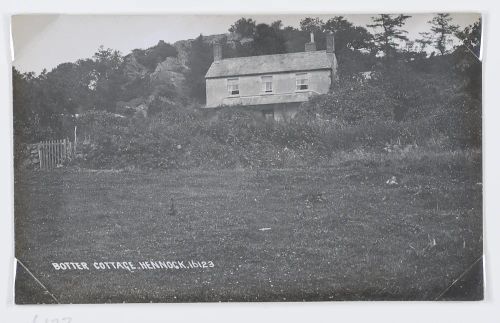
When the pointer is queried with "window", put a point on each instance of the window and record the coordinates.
(267, 84)
(233, 87)
(302, 81)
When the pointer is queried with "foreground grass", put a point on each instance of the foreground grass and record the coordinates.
(336, 233)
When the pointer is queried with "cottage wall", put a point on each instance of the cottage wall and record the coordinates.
(283, 83)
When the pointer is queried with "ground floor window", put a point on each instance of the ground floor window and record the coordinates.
(268, 114)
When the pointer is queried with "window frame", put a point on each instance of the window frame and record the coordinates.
(230, 83)
(301, 77)
(265, 81)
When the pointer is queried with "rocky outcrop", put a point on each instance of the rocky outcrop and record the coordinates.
(183, 47)
(169, 75)
(170, 72)
(134, 69)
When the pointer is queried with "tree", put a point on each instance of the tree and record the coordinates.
(294, 39)
(443, 29)
(26, 120)
(244, 27)
(108, 78)
(199, 60)
(312, 25)
(388, 39)
(470, 38)
(353, 46)
(267, 41)
(467, 59)
(424, 40)
(277, 25)
(347, 35)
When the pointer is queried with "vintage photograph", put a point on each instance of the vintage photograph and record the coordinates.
(247, 158)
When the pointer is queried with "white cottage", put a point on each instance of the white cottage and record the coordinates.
(272, 85)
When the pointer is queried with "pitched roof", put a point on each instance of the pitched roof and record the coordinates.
(265, 64)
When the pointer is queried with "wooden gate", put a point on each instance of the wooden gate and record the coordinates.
(52, 153)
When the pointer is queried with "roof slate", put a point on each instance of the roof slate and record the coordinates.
(268, 64)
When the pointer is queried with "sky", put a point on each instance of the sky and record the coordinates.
(44, 41)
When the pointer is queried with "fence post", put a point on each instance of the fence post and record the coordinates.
(54, 147)
(54, 152)
(39, 156)
(51, 145)
(65, 150)
(46, 152)
(44, 155)
(74, 146)
(59, 150)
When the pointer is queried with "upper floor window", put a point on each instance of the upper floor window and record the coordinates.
(233, 86)
(267, 84)
(302, 81)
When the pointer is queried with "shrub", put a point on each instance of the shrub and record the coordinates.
(460, 120)
(350, 104)
(359, 117)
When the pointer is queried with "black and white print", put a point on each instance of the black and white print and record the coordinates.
(247, 158)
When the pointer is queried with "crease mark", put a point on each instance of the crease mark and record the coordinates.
(38, 281)
(472, 52)
(458, 278)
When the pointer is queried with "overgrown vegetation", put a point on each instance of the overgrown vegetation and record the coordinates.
(411, 103)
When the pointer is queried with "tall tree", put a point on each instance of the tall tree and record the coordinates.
(311, 24)
(267, 41)
(389, 38)
(470, 37)
(424, 40)
(294, 39)
(108, 78)
(353, 46)
(347, 35)
(277, 25)
(443, 29)
(26, 119)
(199, 60)
(316, 26)
(467, 58)
(245, 27)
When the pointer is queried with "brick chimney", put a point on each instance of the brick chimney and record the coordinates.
(330, 43)
(330, 52)
(217, 51)
(311, 46)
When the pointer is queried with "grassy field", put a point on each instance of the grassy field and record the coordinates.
(334, 233)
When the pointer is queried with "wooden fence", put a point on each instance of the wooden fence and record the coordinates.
(52, 153)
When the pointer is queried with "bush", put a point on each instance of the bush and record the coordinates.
(461, 121)
(357, 117)
(350, 103)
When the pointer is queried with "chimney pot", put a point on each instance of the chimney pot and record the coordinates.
(311, 46)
